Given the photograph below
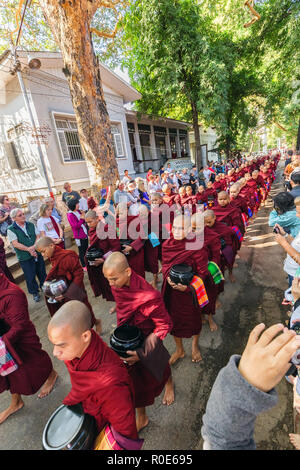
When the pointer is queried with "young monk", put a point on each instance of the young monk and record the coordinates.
(184, 309)
(65, 265)
(99, 379)
(218, 184)
(151, 252)
(227, 212)
(132, 238)
(228, 239)
(201, 197)
(18, 333)
(169, 197)
(107, 243)
(239, 202)
(211, 194)
(139, 304)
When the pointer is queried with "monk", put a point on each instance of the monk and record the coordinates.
(35, 368)
(228, 213)
(139, 304)
(160, 220)
(180, 300)
(239, 202)
(132, 238)
(201, 197)
(107, 243)
(211, 194)
(229, 242)
(169, 197)
(65, 265)
(151, 252)
(99, 379)
(218, 184)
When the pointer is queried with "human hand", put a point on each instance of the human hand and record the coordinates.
(281, 231)
(127, 249)
(296, 288)
(280, 239)
(57, 241)
(265, 359)
(132, 359)
(32, 251)
(59, 298)
(179, 287)
(98, 261)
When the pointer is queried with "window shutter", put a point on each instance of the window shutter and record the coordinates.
(119, 145)
(12, 156)
(63, 146)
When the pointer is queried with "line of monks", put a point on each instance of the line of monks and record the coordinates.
(203, 228)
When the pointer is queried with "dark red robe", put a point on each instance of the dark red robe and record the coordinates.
(66, 265)
(136, 256)
(22, 342)
(142, 305)
(184, 311)
(227, 237)
(99, 283)
(3, 266)
(229, 215)
(102, 384)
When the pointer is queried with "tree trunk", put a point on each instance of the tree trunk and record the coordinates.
(298, 138)
(70, 24)
(198, 156)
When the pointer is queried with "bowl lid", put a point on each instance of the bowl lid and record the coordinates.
(62, 427)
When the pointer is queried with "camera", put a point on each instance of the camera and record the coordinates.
(296, 357)
(276, 230)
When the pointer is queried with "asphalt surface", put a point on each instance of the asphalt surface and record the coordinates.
(255, 297)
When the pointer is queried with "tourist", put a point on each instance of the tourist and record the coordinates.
(77, 221)
(5, 219)
(69, 195)
(83, 201)
(48, 226)
(126, 178)
(55, 212)
(23, 236)
(284, 214)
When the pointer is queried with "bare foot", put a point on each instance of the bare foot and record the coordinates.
(113, 309)
(295, 440)
(154, 284)
(10, 410)
(212, 325)
(141, 422)
(175, 356)
(169, 395)
(218, 304)
(196, 355)
(98, 326)
(235, 265)
(232, 278)
(48, 385)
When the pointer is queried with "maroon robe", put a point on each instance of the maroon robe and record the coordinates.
(230, 240)
(99, 283)
(66, 265)
(218, 186)
(102, 384)
(22, 342)
(3, 266)
(142, 305)
(184, 311)
(136, 256)
(229, 215)
(213, 244)
(151, 253)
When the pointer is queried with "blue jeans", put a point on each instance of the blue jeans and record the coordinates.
(33, 269)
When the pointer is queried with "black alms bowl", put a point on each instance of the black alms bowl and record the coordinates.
(94, 253)
(181, 274)
(69, 428)
(126, 338)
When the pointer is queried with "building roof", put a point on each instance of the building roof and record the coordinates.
(54, 60)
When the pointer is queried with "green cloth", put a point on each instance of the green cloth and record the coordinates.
(22, 238)
(216, 272)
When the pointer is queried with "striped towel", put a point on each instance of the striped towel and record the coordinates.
(7, 363)
(250, 213)
(238, 233)
(200, 290)
(216, 272)
(244, 217)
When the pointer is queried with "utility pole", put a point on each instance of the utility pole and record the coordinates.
(17, 70)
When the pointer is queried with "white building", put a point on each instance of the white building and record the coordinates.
(139, 142)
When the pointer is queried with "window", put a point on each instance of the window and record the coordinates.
(117, 141)
(69, 140)
(17, 148)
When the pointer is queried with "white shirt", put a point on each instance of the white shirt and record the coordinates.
(83, 205)
(290, 266)
(44, 224)
(12, 236)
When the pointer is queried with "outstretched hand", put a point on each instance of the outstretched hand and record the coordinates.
(266, 357)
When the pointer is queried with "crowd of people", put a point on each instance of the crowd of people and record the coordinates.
(182, 222)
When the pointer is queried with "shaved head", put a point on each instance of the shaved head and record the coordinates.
(70, 330)
(223, 194)
(43, 242)
(208, 213)
(91, 215)
(116, 261)
(74, 314)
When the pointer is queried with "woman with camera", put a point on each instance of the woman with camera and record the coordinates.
(284, 214)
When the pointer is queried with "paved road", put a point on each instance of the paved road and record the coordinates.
(255, 297)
